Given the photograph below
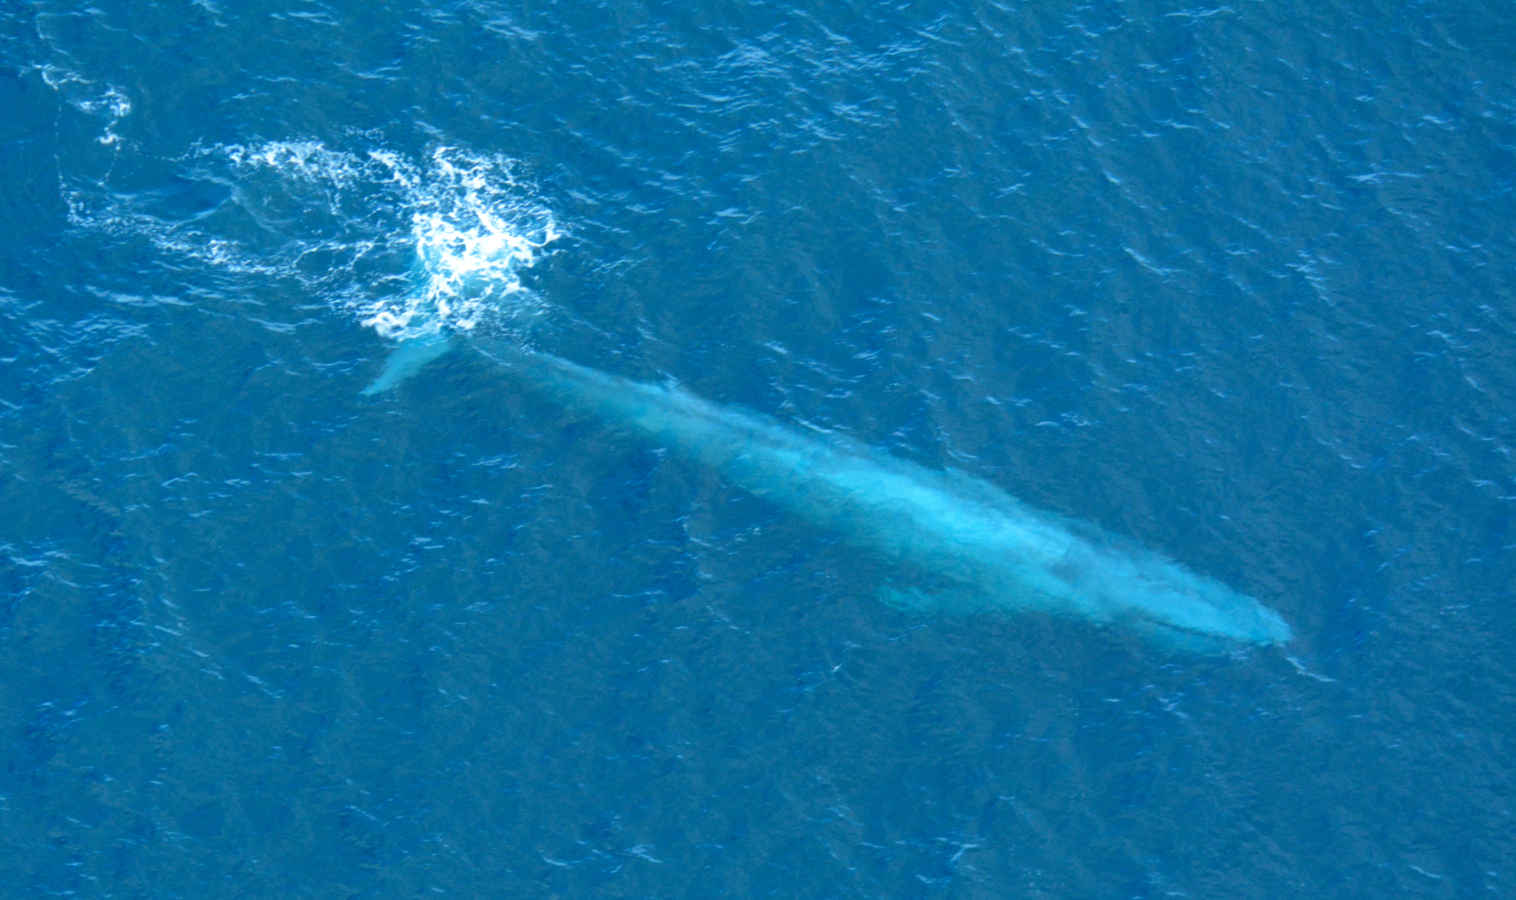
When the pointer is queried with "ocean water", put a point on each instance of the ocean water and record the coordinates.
(1233, 282)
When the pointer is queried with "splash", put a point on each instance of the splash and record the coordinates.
(471, 231)
(473, 237)
(409, 247)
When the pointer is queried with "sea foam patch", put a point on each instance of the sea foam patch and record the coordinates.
(408, 246)
(470, 228)
(473, 235)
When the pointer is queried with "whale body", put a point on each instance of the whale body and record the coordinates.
(960, 544)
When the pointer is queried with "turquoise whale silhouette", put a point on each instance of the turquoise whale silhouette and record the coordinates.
(976, 548)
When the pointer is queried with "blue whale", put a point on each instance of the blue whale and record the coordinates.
(960, 544)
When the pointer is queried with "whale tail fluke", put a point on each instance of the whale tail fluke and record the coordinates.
(409, 357)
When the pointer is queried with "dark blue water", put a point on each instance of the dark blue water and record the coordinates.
(1235, 282)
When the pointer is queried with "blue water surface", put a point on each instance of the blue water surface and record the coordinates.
(1235, 282)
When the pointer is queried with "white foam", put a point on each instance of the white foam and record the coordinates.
(473, 226)
(108, 102)
(473, 235)
(409, 247)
